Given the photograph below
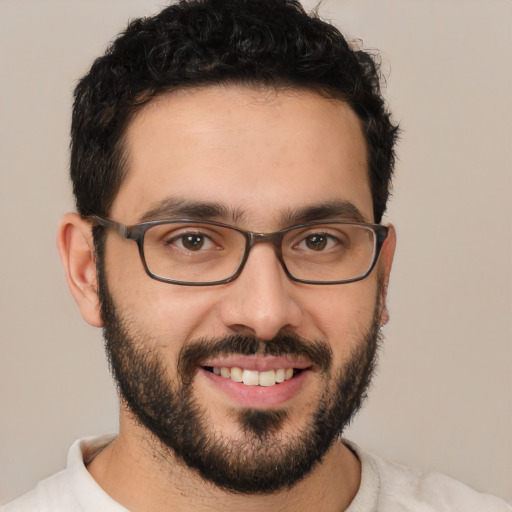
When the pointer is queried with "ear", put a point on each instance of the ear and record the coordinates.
(386, 256)
(76, 248)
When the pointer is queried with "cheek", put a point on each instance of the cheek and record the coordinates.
(342, 314)
(166, 315)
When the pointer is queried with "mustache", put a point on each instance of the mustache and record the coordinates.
(194, 353)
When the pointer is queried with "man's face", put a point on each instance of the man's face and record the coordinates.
(256, 159)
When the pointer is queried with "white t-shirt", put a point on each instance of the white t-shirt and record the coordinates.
(385, 487)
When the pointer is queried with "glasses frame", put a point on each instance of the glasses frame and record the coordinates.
(136, 232)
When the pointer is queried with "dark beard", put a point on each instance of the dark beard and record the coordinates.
(264, 461)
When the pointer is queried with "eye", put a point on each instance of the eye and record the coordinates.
(194, 242)
(317, 242)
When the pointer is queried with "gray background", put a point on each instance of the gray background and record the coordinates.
(442, 397)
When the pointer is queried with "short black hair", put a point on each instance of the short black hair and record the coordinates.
(192, 43)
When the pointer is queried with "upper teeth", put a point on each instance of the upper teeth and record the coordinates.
(254, 377)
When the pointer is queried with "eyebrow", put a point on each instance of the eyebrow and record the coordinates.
(174, 207)
(337, 209)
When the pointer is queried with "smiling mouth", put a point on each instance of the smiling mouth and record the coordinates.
(253, 377)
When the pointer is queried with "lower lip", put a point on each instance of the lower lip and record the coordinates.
(260, 397)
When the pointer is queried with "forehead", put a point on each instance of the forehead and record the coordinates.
(258, 153)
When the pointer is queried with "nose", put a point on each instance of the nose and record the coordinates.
(262, 300)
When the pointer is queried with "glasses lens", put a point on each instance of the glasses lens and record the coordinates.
(193, 252)
(329, 252)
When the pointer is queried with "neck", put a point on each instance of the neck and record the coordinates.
(134, 471)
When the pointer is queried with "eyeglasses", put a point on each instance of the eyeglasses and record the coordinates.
(204, 253)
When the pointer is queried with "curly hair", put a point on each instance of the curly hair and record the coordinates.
(273, 43)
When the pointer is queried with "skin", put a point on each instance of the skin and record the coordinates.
(299, 149)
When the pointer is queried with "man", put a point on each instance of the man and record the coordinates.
(231, 163)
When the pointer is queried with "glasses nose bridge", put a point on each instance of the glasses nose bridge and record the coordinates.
(274, 239)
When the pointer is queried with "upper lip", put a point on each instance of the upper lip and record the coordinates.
(258, 363)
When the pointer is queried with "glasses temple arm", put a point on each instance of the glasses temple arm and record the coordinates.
(120, 229)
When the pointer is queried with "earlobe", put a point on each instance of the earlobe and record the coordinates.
(76, 248)
(386, 256)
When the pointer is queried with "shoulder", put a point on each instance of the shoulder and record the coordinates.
(51, 494)
(399, 488)
(72, 489)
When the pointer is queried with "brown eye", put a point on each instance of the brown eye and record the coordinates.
(316, 242)
(193, 242)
